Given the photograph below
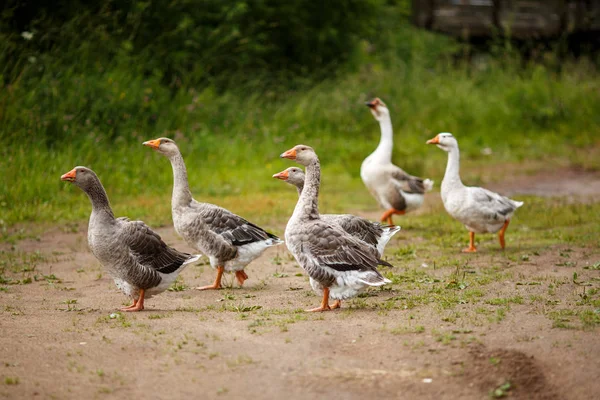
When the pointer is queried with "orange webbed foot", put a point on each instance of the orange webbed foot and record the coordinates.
(210, 287)
(217, 284)
(241, 276)
(319, 309)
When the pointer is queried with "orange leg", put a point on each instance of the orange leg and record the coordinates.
(336, 304)
(387, 216)
(217, 284)
(324, 302)
(138, 305)
(241, 276)
(501, 233)
(471, 248)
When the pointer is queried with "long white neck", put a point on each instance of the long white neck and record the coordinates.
(452, 175)
(307, 207)
(181, 188)
(383, 152)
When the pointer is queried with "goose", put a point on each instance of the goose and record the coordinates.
(396, 191)
(229, 241)
(338, 265)
(372, 233)
(140, 263)
(479, 209)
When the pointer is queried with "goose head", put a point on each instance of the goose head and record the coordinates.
(378, 109)
(445, 141)
(83, 177)
(302, 154)
(164, 146)
(292, 175)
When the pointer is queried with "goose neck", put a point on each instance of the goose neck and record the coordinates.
(99, 199)
(307, 207)
(452, 175)
(386, 142)
(181, 188)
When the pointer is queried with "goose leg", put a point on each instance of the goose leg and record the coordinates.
(139, 304)
(217, 284)
(501, 233)
(387, 216)
(129, 307)
(336, 304)
(324, 302)
(471, 248)
(241, 276)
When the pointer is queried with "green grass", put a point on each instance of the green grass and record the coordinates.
(231, 141)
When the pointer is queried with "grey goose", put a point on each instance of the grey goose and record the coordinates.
(229, 241)
(136, 257)
(338, 265)
(372, 233)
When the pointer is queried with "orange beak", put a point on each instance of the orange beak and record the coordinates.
(283, 175)
(435, 140)
(69, 176)
(290, 154)
(152, 143)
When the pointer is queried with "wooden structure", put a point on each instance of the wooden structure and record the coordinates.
(519, 19)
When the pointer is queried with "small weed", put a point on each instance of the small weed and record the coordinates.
(276, 260)
(505, 301)
(11, 380)
(501, 391)
(178, 286)
(240, 361)
(242, 308)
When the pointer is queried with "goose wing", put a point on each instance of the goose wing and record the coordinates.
(492, 206)
(329, 247)
(148, 249)
(231, 227)
(361, 228)
(406, 182)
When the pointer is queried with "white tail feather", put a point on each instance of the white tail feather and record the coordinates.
(388, 232)
(428, 183)
(192, 259)
(378, 283)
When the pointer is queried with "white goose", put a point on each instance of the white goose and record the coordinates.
(372, 233)
(480, 210)
(227, 239)
(339, 265)
(395, 190)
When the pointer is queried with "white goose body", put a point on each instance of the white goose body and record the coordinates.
(395, 190)
(479, 209)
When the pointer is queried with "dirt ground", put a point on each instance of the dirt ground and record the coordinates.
(61, 337)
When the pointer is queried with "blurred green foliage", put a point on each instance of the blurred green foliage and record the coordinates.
(87, 85)
(188, 42)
